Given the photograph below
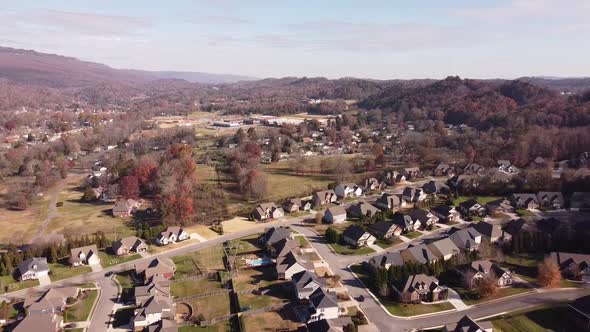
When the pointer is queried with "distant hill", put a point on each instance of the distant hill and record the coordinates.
(51, 70)
(559, 84)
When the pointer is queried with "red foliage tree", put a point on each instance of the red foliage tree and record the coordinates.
(129, 187)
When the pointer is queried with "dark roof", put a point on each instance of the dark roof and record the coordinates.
(402, 220)
(33, 264)
(468, 204)
(420, 282)
(467, 324)
(419, 214)
(393, 258)
(354, 232)
(443, 210)
(322, 299)
(487, 229)
(275, 234)
(381, 226)
(582, 305)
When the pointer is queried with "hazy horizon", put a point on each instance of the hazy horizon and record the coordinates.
(260, 38)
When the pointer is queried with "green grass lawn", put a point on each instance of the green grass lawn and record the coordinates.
(223, 326)
(407, 310)
(246, 244)
(59, 271)
(539, 320)
(524, 213)
(302, 241)
(471, 297)
(80, 311)
(108, 260)
(344, 249)
(9, 284)
(483, 200)
(388, 243)
(412, 235)
(193, 287)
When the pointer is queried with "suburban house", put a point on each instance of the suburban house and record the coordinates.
(463, 180)
(413, 195)
(550, 199)
(282, 247)
(580, 200)
(467, 324)
(396, 177)
(157, 267)
(443, 249)
(580, 313)
(524, 201)
(384, 229)
(158, 286)
(445, 213)
(467, 239)
(322, 305)
(372, 184)
(305, 283)
(33, 268)
(357, 237)
(478, 270)
(390, 201)
(425, 218)
(87, 255)
(335, 215)
(52, 301)
(387, 260)
(444, 170)
(420, 287)
(267, 211)
(321, 198)
(172, 234)
(31, 323)
(471, 208)
(474, 169)
(153, 310)
(412, 172)
(435, 188)
(405, 222)
(164, 325)
(288, 265)
(420, 254)
(505, 166)
(128, 245)
(362, 209)
(501, 205)
(345, 190)
(330, 325)
(538, 162)
(491, 232)
(573, 266)
(125, 207)
(275, 234)
(296, 204)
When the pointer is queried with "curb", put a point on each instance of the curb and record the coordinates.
(387, 311)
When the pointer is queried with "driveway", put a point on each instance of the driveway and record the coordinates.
(44, 281)
(96, 267)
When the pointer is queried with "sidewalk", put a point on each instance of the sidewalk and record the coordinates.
(376, 247)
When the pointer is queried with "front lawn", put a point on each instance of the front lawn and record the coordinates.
(59, 271)
(388, 243)
(80, 311)
(412, 235)
(471, 297)
(344, 249)
(108, 260)
(524, 213)
(9, 284)
(482, 200)
(407, 310)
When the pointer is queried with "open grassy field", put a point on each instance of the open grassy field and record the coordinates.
(202, 230)
(270, 321)
(75, 217)
(60, 271)
(539, 320)
(283, 183)
(237, 224)
(344, 249)
(483, 200)
(80, 311)
(246, 244)
(261, 277)
(219, 327)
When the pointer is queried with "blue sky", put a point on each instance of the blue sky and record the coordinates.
(270, 38)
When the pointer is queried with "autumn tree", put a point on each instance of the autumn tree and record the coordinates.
(129, 187)
(548, 274)
(255, 184)
(487, 286)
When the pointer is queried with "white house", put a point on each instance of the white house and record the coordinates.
(322, 305)
(345, 190)
(84, 255)
(172, 234)
(33, 268)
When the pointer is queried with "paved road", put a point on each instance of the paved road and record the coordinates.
(109, 292)
(385, 322)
